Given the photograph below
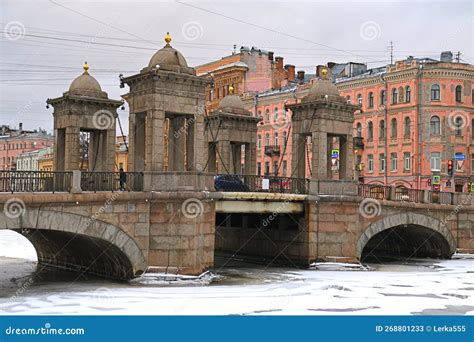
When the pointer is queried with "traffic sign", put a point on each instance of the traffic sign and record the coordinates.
(460, 156)
(335, 154)
(436, 180)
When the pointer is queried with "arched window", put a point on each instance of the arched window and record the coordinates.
(407, 127)
(275, 114)
(359, 130)
(371, 100)
(382, 129)
(284, 138)
(435, 92)
(267, 139)
(435, 125)
(458, 126)
(393, 128)
(259, 141)
(359, 100)
(370, 131)
(407, 94)
(458, 93)
(260, 114)
(348, 99)
(394, 96)
(400, 95)
(275, 139)
(383, 97)
(267, 115)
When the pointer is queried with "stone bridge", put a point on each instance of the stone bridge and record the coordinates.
(123, 234)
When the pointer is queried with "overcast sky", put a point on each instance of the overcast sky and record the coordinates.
(114, 37)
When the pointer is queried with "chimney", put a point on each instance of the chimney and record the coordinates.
(446, 56)
(300, 75)
(290, 72)
(279, 63)
(270, 55)
(20, 127)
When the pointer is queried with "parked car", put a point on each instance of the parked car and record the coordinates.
(229, 183)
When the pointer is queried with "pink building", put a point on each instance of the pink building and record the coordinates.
(16, 142)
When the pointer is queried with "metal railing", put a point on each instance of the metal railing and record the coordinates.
(440, 197)
(111, 181)
(35, 181)
(254, 183)
(408, 195)
(374, 191)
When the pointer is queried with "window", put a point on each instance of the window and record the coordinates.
(267, 115)
(407, 94)
(435, 161)
(348, 99)
(382, 162)
(406, 161)
(275, 139)
(275, 114)
(370, 131)
(435, 92)
(284, 138)
(458, 93)
(267, 168)
(285, 167)
(458, 126)
(371, 100)
(458, 166)
(370, 162)
(393, 128)
(472, 163)
(259, 141)
(407, 127)
(359, 100)
(267, 139)
(435, 126)
(382, 129)
(394, 96)
(359, 130)
(383, 97)
(400, 95)
(259, 169)
(275, 168)
(393, 161)
(260, 114)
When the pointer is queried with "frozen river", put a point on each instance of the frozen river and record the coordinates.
(418, 287)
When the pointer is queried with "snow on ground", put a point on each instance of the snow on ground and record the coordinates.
(422, 287)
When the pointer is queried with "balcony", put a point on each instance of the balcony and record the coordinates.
(272, 150)
(359, 143)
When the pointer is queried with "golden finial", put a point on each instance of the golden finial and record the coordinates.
(85, 67)
(167, 38)
(324, 72)
(231, 89)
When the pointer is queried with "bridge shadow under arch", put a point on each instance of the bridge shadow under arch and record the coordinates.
(406, 235)
(78, 243)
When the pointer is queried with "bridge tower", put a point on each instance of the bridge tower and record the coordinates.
(84, 108)
(166, 120)
(324, 116)
(228, 128)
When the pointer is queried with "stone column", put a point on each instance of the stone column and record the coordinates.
(345, 157)
(177, 144)
(72, 149)
(157, 147)
(320, 155)
(190, 144)
(224, 148)
(250, 166)
(298, 160)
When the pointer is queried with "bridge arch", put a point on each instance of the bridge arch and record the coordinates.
(79, 243)
(422, 233)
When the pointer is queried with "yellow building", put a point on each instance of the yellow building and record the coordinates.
(45, 159)
(121, 155)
